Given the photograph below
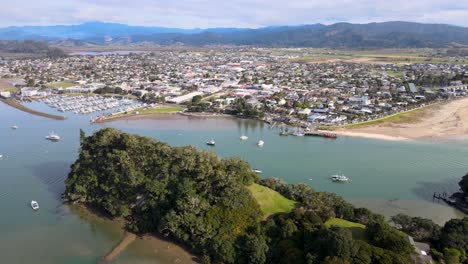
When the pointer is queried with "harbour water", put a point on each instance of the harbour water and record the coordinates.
(387, 177)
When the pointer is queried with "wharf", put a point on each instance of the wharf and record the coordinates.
(319, 134)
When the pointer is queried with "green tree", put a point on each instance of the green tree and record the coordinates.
(464, 184)
(196, 99)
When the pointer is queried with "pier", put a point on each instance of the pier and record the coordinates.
(320, 134)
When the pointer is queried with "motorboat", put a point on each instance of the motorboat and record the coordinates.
(339, 178)
(244, 137)
(257, 171)
(53, 137)
(260, 143)
(14, 127)
(211, 143)
(298, 133)
(34, 205)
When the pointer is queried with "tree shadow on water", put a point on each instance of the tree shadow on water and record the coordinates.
(426, 190)
(53, 175)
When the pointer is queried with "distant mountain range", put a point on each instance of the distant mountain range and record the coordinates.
(339, 35)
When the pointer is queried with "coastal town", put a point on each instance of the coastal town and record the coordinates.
(275, 85)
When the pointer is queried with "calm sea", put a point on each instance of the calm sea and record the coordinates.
(387, 177)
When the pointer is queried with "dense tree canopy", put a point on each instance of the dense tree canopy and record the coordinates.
(464, 184)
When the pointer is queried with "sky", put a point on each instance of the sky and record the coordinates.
(230, 13)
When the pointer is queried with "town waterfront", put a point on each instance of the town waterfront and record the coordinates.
(387, 176)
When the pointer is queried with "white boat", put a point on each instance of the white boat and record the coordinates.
(14, 127)
(244, 137)
(298, 133)
(211, 143)
(53, 137)
(34, 205)
(339, 178)
(260, 143)
(1, 156)
(257, 171)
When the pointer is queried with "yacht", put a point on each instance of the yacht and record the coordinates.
(244, 137)
(211, 142)
(14, 127)
(339, 178)
(260, 143)
(298, 133)
(53, 137)
(34, 205)
(257, 171)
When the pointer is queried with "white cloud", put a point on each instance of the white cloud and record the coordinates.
(233, 13)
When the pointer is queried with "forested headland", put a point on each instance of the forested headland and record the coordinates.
(202, 201)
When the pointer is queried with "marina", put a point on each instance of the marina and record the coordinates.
(89, 104)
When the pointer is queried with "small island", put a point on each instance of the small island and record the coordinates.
(224, 213)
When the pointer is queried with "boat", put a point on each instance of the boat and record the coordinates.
(244, 137)
(329, 135)
(298, 133)
(1, 156)
(34, 205)
(257, 171)
(260, 143)
(339, 178)
(53, 137)
(14, 127)
(211, 143)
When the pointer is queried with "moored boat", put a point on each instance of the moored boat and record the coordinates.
(257, 171)
(34, 205)
(53, 137)
(243, 137)
(260, 143)
(211, 143)
(339, 178)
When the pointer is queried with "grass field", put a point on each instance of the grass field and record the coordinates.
(270, 201)
(404, 117)
(60, 84)
(174, 109)
(9, 89)
(399, 118)
(357, 229)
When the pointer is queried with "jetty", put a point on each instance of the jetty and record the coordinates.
(320, 134)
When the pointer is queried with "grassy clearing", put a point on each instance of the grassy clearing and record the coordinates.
(342, 223)
(395, 74)
(357, 229)
(410, 116)
(60, 84)
(270, 201)
(160, 110)
(23, 108)
(143, 111)
(9, 89)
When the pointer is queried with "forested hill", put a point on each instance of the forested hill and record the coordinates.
(39, 49)
(203, 202)
(339, 35)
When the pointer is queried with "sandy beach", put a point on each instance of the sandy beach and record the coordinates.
(442, 121)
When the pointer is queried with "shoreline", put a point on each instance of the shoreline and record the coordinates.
(349, 133)
(15, 104)
(447, 120)
(126, 240)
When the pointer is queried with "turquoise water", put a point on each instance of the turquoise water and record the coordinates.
(388, 177)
